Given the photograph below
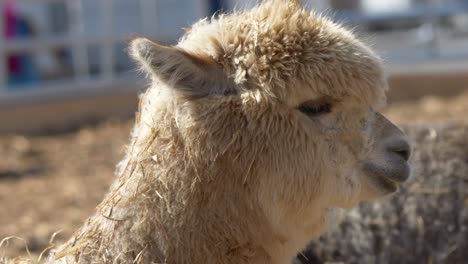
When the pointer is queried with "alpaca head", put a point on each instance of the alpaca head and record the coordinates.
(278, 105)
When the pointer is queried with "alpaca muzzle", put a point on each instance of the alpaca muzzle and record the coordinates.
(388, 167)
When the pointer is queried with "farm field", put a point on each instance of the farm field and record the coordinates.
(52, 183)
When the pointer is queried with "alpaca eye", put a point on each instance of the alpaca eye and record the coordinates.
(315, 108)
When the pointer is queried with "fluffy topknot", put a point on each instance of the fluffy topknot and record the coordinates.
(278, 43)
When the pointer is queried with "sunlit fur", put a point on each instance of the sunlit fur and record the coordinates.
(222, 167)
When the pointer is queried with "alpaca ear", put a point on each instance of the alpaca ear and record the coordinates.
(191, 74)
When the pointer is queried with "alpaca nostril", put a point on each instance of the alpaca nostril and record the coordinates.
(405, 154)
(401, 148)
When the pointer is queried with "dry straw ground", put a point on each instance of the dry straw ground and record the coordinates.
(52, 183)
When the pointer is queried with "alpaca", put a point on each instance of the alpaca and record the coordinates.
(255, 127)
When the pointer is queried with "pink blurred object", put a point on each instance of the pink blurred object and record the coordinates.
(9, 32)
(9, 14)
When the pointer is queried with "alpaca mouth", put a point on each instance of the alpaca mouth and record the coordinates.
(384, 184)
(387, 177)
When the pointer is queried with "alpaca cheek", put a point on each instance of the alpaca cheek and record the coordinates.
(302, 191)
(341, 184)
(344, 186)
(351, 189)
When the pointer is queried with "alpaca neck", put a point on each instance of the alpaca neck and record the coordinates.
(294, 234)
(130, 228)
(209, 230)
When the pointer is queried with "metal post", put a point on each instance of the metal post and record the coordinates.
(433, 18)
(79, 48)
(108, 41)
(3, 54)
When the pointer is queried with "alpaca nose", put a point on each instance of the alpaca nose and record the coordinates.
(400, 147)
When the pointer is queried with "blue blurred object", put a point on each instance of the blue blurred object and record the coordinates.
(217, 5)
(22, 69)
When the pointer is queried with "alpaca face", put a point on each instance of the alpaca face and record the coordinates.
(367, 154)
(290, 100)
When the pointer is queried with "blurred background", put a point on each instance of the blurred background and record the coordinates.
(53, 51)
(68, 92)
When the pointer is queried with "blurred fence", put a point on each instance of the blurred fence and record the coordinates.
(56, 47)
(77, 47)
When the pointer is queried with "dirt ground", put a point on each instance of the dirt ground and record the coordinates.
(52, 183)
